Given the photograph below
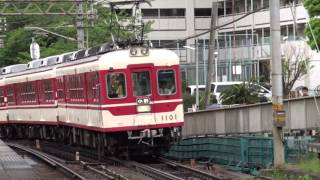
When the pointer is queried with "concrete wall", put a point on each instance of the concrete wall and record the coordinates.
(301, 114)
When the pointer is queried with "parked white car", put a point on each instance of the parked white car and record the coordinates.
(218, 87)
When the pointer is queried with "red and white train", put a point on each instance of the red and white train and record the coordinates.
(102, 97)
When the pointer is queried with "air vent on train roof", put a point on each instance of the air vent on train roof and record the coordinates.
(66, 57)
(81, 54)
(106, 47)
(34, 64)
(14, 68)
(93, 51)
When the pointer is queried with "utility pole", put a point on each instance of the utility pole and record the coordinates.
(277, 101)
(80, 30)
(214, 15)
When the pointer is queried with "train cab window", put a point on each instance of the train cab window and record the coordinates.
(166, 82)
(141, 83)
(116, 85)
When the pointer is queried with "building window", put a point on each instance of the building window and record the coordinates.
(141, 83)
(265, 4)
(239, 6)
(155, 43)
(228, 7)
(202, 12)
(221, 8)
(116, 85)
(256, 4)
(172, 13)
(150, 13)
(166, 82)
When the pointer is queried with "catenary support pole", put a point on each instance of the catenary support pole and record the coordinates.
(214, 15)
(276, 68)
(80, 26)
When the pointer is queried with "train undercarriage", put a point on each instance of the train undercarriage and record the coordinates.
(128, 144)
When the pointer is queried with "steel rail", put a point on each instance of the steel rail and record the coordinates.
(195, 172)
(146, 170)
(96, 170)
(154, 173)
(47, 159)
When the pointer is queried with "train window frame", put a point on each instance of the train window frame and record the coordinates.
(75, 93)
(175, 82)
(27, 93)
(2, 96)
(13, 102)
(125, 85)
(60, 89)
(150, 81)
(48, 92)
(93, 87)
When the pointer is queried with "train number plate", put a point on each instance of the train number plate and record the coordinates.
(143, 101)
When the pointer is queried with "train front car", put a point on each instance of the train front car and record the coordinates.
(142, 100)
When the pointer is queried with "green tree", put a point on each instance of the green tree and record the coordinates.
(313, 8)
(18, 39)
(244, 93)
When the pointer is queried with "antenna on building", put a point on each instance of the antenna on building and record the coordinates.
(34, 50)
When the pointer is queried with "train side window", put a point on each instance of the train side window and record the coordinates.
(60, 92)
(75, 87)
(2, 103)
(166, 82)
(10, 95)
(141, 83)
(48, 91)
(116, 85)
(26, 93)
(93, 87)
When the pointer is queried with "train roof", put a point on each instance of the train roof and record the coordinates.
(118, 59)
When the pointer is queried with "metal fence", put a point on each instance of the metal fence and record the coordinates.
(301, 114)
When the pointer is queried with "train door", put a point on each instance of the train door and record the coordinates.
(141, 80)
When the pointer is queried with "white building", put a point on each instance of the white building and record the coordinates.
(244, 46)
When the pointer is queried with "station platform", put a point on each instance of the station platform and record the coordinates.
(13, 166)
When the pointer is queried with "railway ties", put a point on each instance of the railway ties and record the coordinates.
(114, 168)
(194, 172)
(76, 170)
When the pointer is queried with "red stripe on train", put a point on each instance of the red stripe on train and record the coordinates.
(116, 111)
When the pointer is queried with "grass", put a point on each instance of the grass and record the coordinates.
(309, 164)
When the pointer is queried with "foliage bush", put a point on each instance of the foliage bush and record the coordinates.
(244, 93)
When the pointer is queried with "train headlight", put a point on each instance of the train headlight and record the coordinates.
(143, 108)
(144, 51)
(133, 51)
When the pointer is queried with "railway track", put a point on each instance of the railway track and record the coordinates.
(114, 168)
(75, 170)
(49, 160)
